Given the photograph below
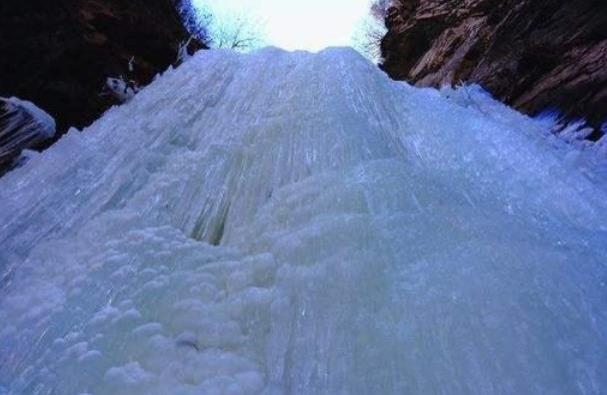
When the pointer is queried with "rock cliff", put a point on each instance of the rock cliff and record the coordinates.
(533, 54)
(58, 53)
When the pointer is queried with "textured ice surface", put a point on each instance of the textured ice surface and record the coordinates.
(289, 223)
(22, 125)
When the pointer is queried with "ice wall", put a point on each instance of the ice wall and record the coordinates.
(290, 223)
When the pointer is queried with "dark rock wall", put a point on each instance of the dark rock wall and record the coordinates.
(58, 53)
(533, 54)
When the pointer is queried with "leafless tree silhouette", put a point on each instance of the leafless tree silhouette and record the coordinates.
(371, 30)
(235, 31)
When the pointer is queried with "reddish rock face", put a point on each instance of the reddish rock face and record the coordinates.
(58, 53)
(533, 54)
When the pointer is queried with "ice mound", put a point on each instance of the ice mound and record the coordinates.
(294, 223)
(22, 126)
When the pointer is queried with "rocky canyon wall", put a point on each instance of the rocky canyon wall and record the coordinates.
(58, 53)
(533, 54)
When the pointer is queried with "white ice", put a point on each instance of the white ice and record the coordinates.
(291, 223)
(22, 125)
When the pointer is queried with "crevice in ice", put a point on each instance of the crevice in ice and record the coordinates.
(188, 343)
(217, 236)
(211, 229)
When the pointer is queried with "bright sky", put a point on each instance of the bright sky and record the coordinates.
(295, 24)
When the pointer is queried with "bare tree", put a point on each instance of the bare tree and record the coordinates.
(371, 30)
(237, 32)
(221, 30)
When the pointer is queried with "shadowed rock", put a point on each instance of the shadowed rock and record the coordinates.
(531, 54)
(58, 54)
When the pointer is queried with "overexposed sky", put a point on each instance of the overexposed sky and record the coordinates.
(299, 24)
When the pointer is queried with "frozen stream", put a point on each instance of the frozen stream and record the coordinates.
(290, 223)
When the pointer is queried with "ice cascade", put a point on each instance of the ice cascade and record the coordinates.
(295, 223)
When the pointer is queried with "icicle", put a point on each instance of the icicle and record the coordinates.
(182, 51)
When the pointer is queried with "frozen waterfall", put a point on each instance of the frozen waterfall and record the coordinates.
(295, 223)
